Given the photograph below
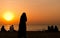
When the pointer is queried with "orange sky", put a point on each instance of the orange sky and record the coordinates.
(38, 11)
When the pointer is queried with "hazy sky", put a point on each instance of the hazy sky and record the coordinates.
(38, 11)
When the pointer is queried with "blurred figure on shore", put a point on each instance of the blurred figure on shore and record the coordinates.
(22, 26)
(3, 29)
(12, 28)
(53, 29)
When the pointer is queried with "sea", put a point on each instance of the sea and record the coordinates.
(31, 27)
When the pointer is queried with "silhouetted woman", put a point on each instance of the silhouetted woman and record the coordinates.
(22, 26)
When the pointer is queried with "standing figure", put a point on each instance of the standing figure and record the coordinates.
(22, 26)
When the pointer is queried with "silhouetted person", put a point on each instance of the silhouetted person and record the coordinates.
(52, 28)
(49, 28)
(22, 26)
(3, 29)
(11, 28)
(56, 29)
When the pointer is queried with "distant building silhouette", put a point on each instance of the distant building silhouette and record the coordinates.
(3, 29)
(22, 26)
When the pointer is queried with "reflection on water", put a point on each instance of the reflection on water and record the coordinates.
(39, 27)
(30, 27)
(36, 27)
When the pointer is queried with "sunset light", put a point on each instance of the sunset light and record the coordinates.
(8, 16)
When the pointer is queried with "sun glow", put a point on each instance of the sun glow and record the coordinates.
(8, 16)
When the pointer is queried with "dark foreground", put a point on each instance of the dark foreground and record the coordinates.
(31, 34)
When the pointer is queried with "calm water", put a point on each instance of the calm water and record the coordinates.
(31, 27)
(39, 27)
